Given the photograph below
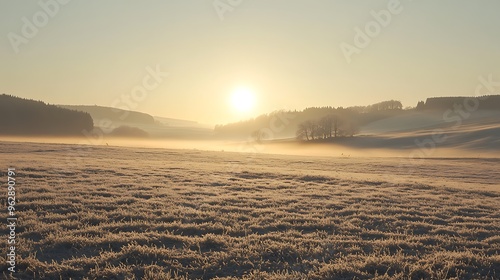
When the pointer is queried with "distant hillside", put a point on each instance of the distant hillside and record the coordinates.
(113, 114)
(491, 102)
(421, 120)
(20, 116)
(361, 119)
(284, 124)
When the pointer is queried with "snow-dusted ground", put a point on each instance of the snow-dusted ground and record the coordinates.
(132, 213)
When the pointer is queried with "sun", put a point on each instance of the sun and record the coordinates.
(243, 99)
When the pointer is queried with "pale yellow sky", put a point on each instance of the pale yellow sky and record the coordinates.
(289, 53)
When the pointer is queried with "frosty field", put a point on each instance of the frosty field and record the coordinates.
(133, 213)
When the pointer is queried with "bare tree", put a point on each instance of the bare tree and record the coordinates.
(302, 132)
(307, 130)
(257, 135)
(327, 124)
(332, 126)
(316, 130)
(336, 127)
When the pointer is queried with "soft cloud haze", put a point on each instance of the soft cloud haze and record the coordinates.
(287, 52)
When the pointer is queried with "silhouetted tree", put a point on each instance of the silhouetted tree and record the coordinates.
(327, 122)
(302, 132)
(317, 130)
(336, 127)
(258, 135)
(328, 127)
(307, 130)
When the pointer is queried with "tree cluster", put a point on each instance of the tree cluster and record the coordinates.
(270, 126)
(328, 127)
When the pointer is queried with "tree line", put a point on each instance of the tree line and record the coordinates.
(381, 106)
(488, 102)
(19, 116)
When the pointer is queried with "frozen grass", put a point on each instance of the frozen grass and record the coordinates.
(171, 214)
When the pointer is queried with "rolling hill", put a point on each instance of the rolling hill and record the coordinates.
(113, 121)
(99, 113)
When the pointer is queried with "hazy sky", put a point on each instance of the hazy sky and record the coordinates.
(288, 52)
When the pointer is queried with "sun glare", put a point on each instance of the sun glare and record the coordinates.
(243, 100)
